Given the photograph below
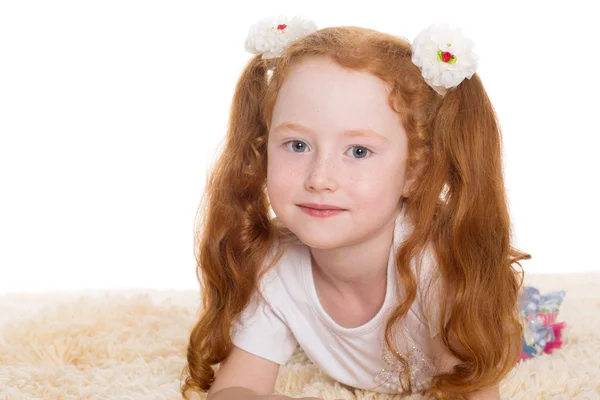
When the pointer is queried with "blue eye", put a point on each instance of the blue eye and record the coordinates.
(361, 149)
(296, 147)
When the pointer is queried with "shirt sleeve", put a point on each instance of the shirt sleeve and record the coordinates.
(261, 330)
(430, 293)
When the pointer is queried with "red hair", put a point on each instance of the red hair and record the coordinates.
(457, 204)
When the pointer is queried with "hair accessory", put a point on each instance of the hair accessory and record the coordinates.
(271, 35)
(444, 56)
(538, 313)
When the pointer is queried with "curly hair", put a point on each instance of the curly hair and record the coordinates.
(457, 205)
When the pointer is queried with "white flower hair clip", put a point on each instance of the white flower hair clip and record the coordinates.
(444, 56)
(271, 35)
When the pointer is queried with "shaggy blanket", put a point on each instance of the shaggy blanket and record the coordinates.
(132, 345)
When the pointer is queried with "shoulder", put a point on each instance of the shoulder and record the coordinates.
(427, 271)
(431, 292)
(283, 277)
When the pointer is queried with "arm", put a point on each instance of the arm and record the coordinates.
(486, 393)
(240, 393)
(232, 393)
(245, 376)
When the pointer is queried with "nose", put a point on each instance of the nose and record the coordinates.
(321, 174)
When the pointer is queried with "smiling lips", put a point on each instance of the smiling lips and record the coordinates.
(320, 206)
(320, 210)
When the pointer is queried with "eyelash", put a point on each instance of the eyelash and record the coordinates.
(355, 145)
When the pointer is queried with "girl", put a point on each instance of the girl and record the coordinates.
(388, 257)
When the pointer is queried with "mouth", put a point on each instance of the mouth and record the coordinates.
(321, 213)
(321, 207)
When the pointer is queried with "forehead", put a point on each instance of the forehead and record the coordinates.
(320, 93)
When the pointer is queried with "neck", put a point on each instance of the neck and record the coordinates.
(358, 270)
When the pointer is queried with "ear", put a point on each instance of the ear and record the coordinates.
(409, 181)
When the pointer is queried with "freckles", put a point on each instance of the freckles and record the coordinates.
(361, 182)
(373, 187)
(281, 176)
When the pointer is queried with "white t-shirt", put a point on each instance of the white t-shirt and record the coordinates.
(289, 314)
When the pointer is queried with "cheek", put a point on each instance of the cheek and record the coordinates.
(282, 170)
(380, 184)
(280, 182)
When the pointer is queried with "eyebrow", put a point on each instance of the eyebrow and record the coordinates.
(350, 133)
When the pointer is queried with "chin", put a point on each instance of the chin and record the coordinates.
(323, 241)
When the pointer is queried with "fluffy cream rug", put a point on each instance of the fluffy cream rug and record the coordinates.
(131, 345)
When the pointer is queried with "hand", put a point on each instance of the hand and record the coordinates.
(281, 397)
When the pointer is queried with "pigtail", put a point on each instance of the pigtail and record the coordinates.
(236, 232)
(471, 233)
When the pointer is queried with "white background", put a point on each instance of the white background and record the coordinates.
(112, 112)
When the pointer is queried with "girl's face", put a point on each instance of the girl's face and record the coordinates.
(334, 140)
